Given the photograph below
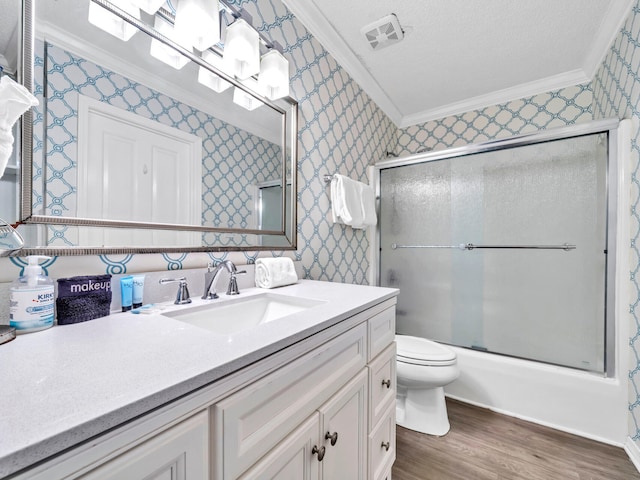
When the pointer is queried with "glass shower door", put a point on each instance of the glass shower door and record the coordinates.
(544, 304)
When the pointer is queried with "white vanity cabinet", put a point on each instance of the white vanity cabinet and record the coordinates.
(320, 408)
(345, 389)
(330, 444)
(178, 453)
(151, 449)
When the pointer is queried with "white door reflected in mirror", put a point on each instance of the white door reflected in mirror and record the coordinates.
(132, 168)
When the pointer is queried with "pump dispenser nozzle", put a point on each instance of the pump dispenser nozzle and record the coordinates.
(33, 269)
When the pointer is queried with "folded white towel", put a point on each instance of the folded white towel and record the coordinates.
(14, 101)
(275, 272)
(352, 203)
(346, 206)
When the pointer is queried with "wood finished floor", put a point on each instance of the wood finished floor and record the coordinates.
(483, 445)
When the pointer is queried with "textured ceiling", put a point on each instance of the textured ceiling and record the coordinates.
(459, 55)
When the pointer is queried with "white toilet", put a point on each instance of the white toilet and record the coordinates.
(423, 369)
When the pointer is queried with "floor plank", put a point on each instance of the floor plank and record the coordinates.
(484, 445)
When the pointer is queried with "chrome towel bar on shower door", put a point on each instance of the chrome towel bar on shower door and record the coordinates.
(470, 246)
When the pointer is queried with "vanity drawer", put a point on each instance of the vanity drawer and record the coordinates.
(382, 384)
(256, 418)
(381, 331)
(382, 445)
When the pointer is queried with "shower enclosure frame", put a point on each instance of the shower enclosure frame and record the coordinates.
(611, 127)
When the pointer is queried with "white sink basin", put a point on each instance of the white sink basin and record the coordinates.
(242, 313)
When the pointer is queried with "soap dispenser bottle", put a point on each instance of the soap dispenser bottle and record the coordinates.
(31, 299)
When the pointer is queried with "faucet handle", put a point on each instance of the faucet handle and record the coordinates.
(232, 289)
(182, 297)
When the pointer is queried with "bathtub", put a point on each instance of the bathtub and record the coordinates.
(577, 402)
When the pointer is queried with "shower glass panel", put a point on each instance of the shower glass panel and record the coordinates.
(543, 304)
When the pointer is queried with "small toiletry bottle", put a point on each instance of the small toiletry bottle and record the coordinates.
(138, 289)
(32, 299)
(126, 292)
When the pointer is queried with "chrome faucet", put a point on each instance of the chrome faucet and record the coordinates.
(232, 288)
(182, 297)
(211, 277)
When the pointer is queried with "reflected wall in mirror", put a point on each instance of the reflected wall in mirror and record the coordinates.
(122, 139)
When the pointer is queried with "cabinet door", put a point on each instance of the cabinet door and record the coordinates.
(344, 431)
(382, 384)
(382, 331)
(255, 419)
(179, 453)
(292, 459)
(382, 445)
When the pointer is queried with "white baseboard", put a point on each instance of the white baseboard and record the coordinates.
(633, 450)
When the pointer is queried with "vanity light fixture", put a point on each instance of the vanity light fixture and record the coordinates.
(198, 23)
(242, 50)
(210, 79)
(110, 22)
(149, 6)
(163, 52)
(273, 80)
(245, 100)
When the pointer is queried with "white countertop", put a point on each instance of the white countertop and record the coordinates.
(64, 385)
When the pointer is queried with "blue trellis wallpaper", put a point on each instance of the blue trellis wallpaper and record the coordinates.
(342, 130)
(549, 110)
(616, 89)
(232, 158)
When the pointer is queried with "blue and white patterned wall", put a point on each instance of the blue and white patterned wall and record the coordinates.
(341, 131)
(559, 108)
(232, 158)
(616, 88)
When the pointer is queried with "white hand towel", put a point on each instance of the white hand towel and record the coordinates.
(275, 272)
(346, 205)
(336, 199)
(14, 101)
(368, 199)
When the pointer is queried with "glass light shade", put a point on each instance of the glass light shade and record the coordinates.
(210, 79)
(273, 80)
(163, 52)
(198, 23)
(242, 98)
(242, 50)
(149, 6)
(110, 22)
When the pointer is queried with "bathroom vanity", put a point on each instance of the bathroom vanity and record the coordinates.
(308, 395)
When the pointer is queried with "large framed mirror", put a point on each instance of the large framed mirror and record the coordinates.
(128, 153)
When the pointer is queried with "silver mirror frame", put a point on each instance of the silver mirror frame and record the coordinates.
(27, 216)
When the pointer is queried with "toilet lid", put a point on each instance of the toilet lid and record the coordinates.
(422, 351)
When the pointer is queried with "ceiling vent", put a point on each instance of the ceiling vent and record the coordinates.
(383, 32)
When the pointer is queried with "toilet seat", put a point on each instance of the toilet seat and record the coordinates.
(420, 351)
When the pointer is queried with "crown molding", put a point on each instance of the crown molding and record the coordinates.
(316, 23)
(609, 29)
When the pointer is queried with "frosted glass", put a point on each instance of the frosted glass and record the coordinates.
(545, 305)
